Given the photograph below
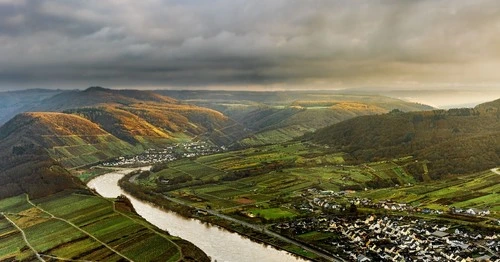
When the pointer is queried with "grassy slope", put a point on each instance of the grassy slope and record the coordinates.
(260, 174)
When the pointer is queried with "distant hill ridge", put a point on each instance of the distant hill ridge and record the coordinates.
(96, 96)
(279, 116)
(78, 128)
(99, 123)
(456, 141)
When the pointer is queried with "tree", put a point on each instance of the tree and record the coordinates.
(353, 209)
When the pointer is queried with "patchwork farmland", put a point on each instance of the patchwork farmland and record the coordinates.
(72, 226)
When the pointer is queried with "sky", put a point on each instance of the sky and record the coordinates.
(237, 44)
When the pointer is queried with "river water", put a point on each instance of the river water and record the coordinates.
(219, 244)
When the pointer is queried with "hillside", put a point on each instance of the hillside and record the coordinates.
(69, 139)
(283, 124)
(25, 165)
(279, 116)
(138, 117)
(97, 124)
(97, 96)
(456, 141)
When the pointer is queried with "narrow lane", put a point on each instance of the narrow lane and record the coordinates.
(24, 237)
(264, 230)
(79, 229)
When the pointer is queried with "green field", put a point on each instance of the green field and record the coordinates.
(479, 190)
(272, 213)
(268, 175)
(84, 227)
(273, 175)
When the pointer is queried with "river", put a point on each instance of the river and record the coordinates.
(218, 243)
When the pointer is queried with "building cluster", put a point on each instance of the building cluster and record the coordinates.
(470, 211)
(330, 200)
(170, 153)
(399, 239)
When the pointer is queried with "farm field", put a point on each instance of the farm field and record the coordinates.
(72, 226)
(73, 151)
(255, 180)
(265, 177)
(479, 191)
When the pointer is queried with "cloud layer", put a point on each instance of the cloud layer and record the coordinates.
(237, 43)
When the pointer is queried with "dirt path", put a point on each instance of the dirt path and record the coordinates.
(496, 170)
(24, 237)
(77, 228)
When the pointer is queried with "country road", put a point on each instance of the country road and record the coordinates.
(263, 229)
(496, 170)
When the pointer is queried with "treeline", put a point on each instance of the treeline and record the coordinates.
(457, 141)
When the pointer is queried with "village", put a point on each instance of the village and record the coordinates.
(170, 153)
(397, 238)
(336, 201)
(392, 232)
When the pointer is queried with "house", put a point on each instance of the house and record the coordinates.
(472, 211)
(482, 258)
(439, 234)
(363, 258)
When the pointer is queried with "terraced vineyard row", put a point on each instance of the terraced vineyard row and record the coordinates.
(79, 227)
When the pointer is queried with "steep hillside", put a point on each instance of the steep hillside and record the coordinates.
(453, 141)
(35, 173)
(69, 139)
(142, 118)
(25, 164)
(102, 123)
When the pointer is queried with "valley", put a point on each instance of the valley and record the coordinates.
(299, 171)
(250, 131)
(293, 182)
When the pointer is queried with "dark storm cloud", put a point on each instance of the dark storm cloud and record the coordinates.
(240, 43)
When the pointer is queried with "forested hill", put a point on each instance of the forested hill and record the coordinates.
(455, 141)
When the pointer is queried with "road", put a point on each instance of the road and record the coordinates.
(496, 170)
(79, 229)
(488, 249)
(263, 229)
(24, 237)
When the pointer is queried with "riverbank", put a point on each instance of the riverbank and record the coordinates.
(220, 244)
(256, 233)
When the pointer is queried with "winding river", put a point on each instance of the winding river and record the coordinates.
(219, 244)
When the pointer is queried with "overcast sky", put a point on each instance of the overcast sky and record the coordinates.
(250, 44)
